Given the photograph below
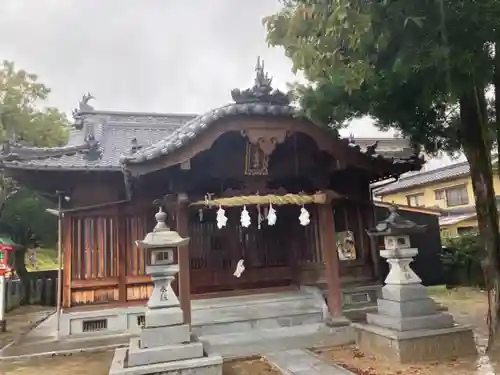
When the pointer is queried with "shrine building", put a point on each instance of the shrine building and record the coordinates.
(253, 183)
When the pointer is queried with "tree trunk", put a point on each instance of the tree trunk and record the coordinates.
(496, 84)
(473, 136)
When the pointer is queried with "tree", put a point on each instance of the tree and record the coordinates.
(22, 212)
(422, 67)
(20, 116)
(21, 119)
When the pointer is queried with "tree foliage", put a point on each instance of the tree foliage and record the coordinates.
(422, 67)
(20, 114)
(22, 120)
(26, 220)
(403, 62)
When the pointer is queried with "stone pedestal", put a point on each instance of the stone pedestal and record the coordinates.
(165, 344)
(409, 326)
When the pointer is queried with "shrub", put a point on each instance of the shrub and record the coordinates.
(463, 256)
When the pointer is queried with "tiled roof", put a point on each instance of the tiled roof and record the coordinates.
(423, 178)
(111, 140)
(188, 131)
(454, 219)
(155, 134)
(114, 132)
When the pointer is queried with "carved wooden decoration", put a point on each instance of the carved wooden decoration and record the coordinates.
(346, 245)
(256, 161)
(266, 139)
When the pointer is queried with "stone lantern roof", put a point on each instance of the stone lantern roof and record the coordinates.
(162, 236)
(395, 225)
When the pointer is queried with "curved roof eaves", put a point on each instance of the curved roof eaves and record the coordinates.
(190, 130)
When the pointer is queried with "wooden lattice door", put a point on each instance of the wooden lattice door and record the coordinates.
(214, 253)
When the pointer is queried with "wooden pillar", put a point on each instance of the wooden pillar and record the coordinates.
(121, 228)
(184, 263)
(330, 257)
(68, 252)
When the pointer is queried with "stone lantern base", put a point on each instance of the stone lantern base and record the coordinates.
(417, 345)
(208, 365)
(408, 326)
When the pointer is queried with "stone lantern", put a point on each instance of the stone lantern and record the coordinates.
(396, 232)
(161, 245)
(408, 326)
(165, 344)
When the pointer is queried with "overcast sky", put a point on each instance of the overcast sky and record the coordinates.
(149, 55)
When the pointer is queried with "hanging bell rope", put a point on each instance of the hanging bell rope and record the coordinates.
(278, 200)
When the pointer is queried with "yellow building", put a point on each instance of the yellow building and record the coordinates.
(448, 189)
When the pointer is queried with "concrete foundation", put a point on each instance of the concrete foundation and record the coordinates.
(415, 346)
(222, 315)
(229, 326)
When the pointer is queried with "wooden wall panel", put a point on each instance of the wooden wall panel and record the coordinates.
(93, 247)
(104, 268)
(139, 292)
(94, 296)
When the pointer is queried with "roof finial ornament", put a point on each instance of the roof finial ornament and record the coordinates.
(370, 150)
(262, 91)
(262, 79)
(94, 150)
(135, 146)
(83, 105)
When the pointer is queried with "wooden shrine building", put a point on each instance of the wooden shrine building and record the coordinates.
(250, 155)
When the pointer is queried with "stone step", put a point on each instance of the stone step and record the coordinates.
(247, 324)
(252, 312)
(265, 311)
(259, 342)
(251, 300)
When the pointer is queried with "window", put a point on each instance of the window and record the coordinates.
(464, 231)
(439, 195)
(445, 233)
(457, 196)
(415, 200)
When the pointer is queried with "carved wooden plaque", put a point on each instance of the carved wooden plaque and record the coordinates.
(256, 161)
(346, 245)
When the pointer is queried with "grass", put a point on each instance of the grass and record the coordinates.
(463, 293)
(46, 260)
